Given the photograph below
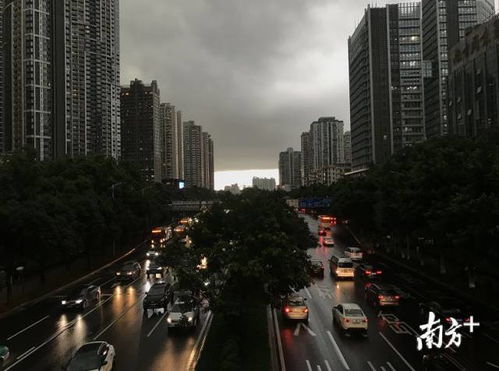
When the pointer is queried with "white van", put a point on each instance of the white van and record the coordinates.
(341, 267)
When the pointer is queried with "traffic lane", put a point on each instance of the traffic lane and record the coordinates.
(362, 353)
(55, 318)
(475, 349)
(56, 348)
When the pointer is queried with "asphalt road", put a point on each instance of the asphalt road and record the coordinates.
(391, 343)
(43, 337)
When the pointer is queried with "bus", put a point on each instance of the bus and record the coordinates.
(326, 223)
(159, 236)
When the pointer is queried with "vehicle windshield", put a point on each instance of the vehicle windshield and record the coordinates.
(128, 267)
(77, 292)
(85, 361)
(345, 265)
(354, 313)
(181, 308)
(156, 290)
(296, 302)
(387, 292)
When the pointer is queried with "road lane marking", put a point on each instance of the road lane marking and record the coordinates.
(279, 342)
(371, 366)
(382, 368)
(491, 364)
(397, 352)
(299, 325)
(27, 328)
(491, 338)
(319, 368)
(308, 365)
(328, 366)
(117, 319)
(391, 367)
(157, 323)
(308, 293)
(26, 353)
(338, 351)
(67, 327)
(199, 344)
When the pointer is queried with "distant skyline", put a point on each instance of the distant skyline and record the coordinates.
(242, 177)
(254, 74)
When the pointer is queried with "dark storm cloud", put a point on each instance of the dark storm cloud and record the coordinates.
(254, 73)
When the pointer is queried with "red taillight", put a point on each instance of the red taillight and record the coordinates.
(379, 272)
(286, 310)
(305, 310)
(381, 297)
(347, 320)
(397, 297)
(467, 319)
(448, 319)
(364, 320)
(368, 272)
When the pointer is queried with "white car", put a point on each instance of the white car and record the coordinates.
(350, 317)
(93, 356)
(353, 253)
(152, 253)
(328, 241)
(184, 313)
(295, 309)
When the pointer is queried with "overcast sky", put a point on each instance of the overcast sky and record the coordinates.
(253, 73)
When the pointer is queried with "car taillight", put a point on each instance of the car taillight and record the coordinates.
(347, 320)
(305, 310)
(368, 272)
(379, 272)
(381, 297)
(397, 297)
(467, 319)
(286, 310)
(364, 320)
(448, 319)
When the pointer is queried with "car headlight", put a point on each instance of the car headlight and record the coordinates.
(169, 320)
(156, 253)
(129, 273)
(64, 302)
(118, 273)
(189, 319)
(206, 283)
(159, 268)
(148, 254)
(79, 301)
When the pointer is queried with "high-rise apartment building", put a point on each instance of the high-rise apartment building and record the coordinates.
(386, 85)
(140, 123)
(62, 72)
(326, 138)
(473, 90)
(169, 141)
(306, 158)
(180, 146)
(290, 169)
(208, 170)
(444, 24)
(266, 184)
(347, 143)
(193, 155)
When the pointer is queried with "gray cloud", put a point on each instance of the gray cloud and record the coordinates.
(254, 73)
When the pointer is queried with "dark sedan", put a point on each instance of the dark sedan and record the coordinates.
(159, 295)
(81, 297)
(316, 268)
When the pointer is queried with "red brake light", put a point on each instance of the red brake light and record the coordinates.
(286, 310)
(447, 319)
(467, 319)
(381, 297)
(347, 320)
(368, 272)
(305, 310)
(364, 320)
(379, 272)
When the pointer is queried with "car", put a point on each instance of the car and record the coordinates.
(445, 309)
(93, 356)
(130, 270)
(4, 355)
(154, 268)
(316, 268)
(159, 296)
(353, 253)
(152, 253)
(382, 295)
(341, 267)
(184, 313)
(81, 297)
(350, 317)
(368, 271)
(295, 308)
(328, 241)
